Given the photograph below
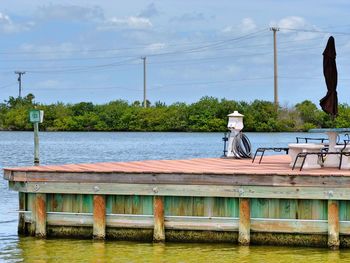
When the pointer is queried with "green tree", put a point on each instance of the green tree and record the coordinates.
(310, 115)
(206, 115)
(260, 116)
(343, 118)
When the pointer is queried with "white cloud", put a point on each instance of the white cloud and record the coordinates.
(5, 19)
(131, 22)
(8, 26)
(155, 47)
(292, 24)
(246, 25)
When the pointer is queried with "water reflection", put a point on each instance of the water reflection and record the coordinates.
(159, 250)
(65, 250)
(99, 251)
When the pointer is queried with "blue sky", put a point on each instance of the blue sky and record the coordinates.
(89, 50)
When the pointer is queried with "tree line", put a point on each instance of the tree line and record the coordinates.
(209, 114)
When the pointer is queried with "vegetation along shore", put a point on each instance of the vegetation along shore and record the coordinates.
(206, 115)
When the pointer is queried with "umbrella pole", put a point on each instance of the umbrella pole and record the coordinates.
(333, 120)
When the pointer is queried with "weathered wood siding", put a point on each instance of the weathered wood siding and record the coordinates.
(66, 212)
(143, 205)
(191, 206)
(235, 215)
(289, 208)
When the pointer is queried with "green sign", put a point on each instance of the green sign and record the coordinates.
(34, 116)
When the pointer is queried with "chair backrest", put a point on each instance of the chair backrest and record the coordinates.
(346, 142)
(307, 139)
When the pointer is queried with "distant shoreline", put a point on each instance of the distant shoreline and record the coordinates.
(209, 114)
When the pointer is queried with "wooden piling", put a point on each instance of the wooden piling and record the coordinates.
(99, 224)
(21, 208)
(244, 222)
(158, 232)
(40, 215)
(333, 224)
(32, 207)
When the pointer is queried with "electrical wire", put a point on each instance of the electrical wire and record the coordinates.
(133, 56)
(86, 88)
(213, 46)
(213, 82)
(86, 68)
(314, 31)
(206, 47)
(210, 43)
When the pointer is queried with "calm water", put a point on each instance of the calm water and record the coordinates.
(56, 148)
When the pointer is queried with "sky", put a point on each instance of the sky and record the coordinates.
(92, 50)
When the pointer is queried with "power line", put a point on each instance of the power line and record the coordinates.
(315, 31)
(320, 77)
(196, 60)
(147, 45)
(81, 68)
(134, 56)
(214, 82)
(214, 46)
(86, 88)
(66, 59)
(144, 46)
(190, 83)
(171, 61)
(86, 68)
(125, 62)
(199, 83)
(194, 49)
(205, 47)
(197, 49)
(187, 61)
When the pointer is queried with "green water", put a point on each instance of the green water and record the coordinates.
(61, 250)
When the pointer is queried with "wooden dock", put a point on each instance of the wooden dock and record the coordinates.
(199, 200)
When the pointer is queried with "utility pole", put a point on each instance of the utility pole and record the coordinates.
(20, 73)
(144, 82)
(275, 29)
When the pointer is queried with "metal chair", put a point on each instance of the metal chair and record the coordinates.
(322, 154)
(285, 149)
(263, 149)
(343, 152)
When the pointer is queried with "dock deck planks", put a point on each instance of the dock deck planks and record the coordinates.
(271, 165)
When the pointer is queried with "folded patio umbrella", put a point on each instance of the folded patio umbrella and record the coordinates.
(329, 103)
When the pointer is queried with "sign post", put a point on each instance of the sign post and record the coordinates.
(36, 117)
